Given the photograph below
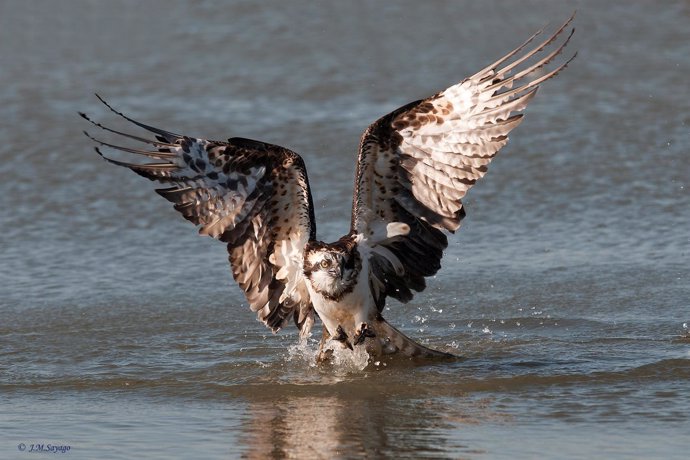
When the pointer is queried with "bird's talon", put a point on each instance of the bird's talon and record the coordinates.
(340, 334)
(342, 337)
(364, 332)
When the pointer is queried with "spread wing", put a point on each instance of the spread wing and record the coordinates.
(251, 195)
(416, 164)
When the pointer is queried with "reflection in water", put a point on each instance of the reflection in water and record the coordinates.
(352, 424)
(302, 427)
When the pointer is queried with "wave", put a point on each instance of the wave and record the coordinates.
(297, 376)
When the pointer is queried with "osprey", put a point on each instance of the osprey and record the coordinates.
(414, 167)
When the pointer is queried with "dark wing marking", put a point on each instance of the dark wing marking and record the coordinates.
(416, 164)
(252, 195)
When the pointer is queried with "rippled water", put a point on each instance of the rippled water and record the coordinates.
(567, 290)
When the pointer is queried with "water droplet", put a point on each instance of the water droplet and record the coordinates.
(453, 344)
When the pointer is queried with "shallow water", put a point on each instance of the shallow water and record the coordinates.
(567, 290)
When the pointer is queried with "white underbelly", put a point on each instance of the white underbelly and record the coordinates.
(349, 312)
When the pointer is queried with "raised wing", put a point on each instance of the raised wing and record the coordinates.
(251, 195)
(416, 164)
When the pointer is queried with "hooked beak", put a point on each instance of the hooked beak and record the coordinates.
(346, 264)
(338, 271)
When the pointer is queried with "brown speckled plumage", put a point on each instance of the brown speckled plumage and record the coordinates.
(414, 167)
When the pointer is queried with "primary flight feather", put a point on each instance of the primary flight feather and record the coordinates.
(414, 167)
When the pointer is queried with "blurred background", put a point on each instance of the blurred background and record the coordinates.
(567, 287)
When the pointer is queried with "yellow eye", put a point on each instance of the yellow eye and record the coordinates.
(325, 263)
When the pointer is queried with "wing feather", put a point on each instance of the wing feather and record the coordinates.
(252, 195)
(418, 162)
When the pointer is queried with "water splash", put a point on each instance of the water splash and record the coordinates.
(348, 360)
(343, 360)
(303, 352)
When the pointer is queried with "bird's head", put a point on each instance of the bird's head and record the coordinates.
(331, 268)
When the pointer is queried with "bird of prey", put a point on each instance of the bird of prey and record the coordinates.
(413, 169)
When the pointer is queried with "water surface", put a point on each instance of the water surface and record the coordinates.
(567, 290)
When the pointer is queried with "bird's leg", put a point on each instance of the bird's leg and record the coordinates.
(342, 337)
(363, 332)
(325, 354)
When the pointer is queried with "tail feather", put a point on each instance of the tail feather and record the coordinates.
(389, 340)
